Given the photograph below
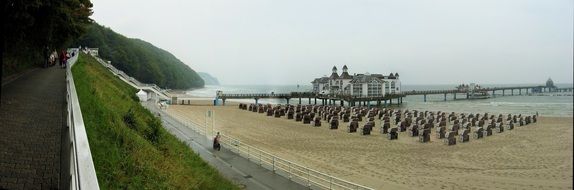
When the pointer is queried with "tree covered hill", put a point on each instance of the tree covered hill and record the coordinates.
(140, 59)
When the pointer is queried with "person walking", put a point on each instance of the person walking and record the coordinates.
(216, 144)
(63, 59)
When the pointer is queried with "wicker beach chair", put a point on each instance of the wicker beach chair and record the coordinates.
(464, 135)
(450, 139)
(478, 133)
(425, 135)
(393, 134)
(317, 122)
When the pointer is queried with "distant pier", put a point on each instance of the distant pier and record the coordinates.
(386, 99)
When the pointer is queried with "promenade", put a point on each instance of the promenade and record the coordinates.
(31, 123)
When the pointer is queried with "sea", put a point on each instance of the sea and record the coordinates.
(546, 104)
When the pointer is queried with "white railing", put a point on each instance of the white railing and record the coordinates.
(130, 80)
(296, 172)
(82, 171)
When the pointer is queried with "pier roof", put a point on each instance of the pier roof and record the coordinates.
(365, 79)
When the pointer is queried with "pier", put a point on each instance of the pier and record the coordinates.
(323, 99)
(386, 99)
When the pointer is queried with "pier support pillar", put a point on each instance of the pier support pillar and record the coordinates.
(315, 101)
(466, 95)
(503, 92)
(299, 101)
(424, 98)
(342, 103)
(391, 100)
(444, 96)
(493, 94)
(287, 100)
(512, 92)
(385, 103)
(401, 100)
(454, 96)
(309, 101)
(256, 101)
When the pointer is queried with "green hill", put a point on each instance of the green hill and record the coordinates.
(140, 59)
(130, 148)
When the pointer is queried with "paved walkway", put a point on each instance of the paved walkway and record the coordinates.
(31, 122)
(232, 166)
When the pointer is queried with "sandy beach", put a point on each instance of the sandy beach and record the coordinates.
(537, 156)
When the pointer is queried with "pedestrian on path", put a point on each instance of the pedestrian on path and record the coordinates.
(63, 59)
(216, 144)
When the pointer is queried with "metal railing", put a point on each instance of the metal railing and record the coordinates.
(130, 80)
(296, 172)
(82, 174)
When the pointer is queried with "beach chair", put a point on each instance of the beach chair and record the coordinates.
(298, 116)
(478, 133)
(317, 122)
(385, 128)
(487, 131)
(499, 127)
(441, 132)
(464, 135)
(352, 127)
(414, 130)
(334, 123)
(290, 115)
(425, 135)
(510, 126)
(367, 128)
(306, 119)
(455, 129)
(450, 139)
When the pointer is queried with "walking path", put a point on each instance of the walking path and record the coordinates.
(31, 124)
(234, 167)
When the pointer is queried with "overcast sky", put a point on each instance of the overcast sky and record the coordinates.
(294, 41)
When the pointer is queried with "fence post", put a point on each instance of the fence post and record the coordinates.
(273, 163)
(309, 178)
(289, 170)
(330, 182)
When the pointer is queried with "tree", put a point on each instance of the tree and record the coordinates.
(31, 28)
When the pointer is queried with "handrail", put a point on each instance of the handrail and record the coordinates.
(306, 175)
(294, 171)
(130, 80)
(82, 170)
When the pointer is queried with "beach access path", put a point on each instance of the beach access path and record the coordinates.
(31, 124)
(234, 167)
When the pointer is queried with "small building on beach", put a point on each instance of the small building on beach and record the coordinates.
(362, 85)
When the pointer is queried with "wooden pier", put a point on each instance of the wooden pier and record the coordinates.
(323, 99)
(387, 99)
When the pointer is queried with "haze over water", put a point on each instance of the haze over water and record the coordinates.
(559, 106)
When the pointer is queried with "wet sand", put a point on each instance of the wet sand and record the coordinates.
(536, 156)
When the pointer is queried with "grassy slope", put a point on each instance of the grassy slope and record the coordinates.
(129, 147)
